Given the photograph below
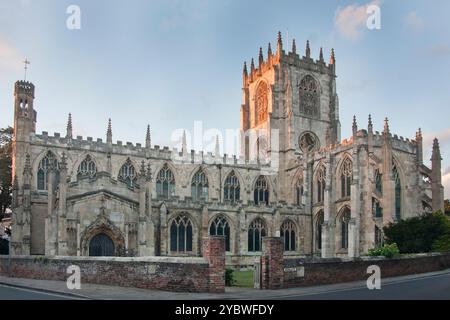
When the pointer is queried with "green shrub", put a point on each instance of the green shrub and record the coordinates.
(229, 277)
(388, 250)
(417, 234)
(442, 244)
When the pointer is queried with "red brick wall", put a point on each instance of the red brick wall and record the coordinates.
(190, 274)
(272, 273)
(336, 270)
(214, 253)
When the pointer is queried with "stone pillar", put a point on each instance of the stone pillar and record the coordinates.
(51, 220)
(328, 241)
(272, 269)
(164, 242)
(437, 189)
(203, 230)
(354, 223)
(214, 253)
(62, 221)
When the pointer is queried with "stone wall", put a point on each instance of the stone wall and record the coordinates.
(184, 274)
(308, 272)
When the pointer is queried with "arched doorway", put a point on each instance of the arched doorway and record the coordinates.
(101, 246)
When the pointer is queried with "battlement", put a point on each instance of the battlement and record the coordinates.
(24, 87)
(291, 58)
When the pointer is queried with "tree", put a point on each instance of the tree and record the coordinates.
(6, 135)
(447, 207)
(419, 234)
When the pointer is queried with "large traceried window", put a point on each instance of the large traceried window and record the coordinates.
(165, 183)
(346, 178)
(398, 192)
(256, 231)
(232, 189)
(261, 191)
(319, 224)
(87, 168)
(43, 171)
(199, 186)
(299, 192)
(127, 174)
(344, 220)
(308, 142)
(181, 234)
(320, 183)
(262, 99)
(309, 96)
(287, 231)
(220, 227)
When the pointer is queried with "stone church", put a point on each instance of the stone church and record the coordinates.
(294, 178)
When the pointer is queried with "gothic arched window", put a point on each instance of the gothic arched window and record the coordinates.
(309, 96)
(232, 189)
(127, 174)
(319, 224)
(320, 182)
(261, 102)
(378, 181)
(261, 191)
(87, 167)
(199, 186)
(299, 192)
(43, 170)
(220, 227)
(256, 231)
(344, 221)
(346, 178)
(181, 234)
(398, 192)
(165, 183)
(287, 231)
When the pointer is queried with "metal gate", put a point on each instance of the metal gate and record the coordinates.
(101, 245)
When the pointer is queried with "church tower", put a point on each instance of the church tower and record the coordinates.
(293, 97)
(24, 125)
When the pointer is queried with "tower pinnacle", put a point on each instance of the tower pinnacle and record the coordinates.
(69, 133)
(109, 132)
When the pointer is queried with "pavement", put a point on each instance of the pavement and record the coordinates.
(432, 285)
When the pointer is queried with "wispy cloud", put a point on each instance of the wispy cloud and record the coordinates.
(350, 21)
(443, 137)
(9, 56)
(413, 21)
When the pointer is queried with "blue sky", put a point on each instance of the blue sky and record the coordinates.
(169, 63)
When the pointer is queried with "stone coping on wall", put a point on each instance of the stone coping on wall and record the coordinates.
(150, 259)
(313, 260)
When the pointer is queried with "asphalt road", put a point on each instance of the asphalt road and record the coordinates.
(13, 293)
(435, 287)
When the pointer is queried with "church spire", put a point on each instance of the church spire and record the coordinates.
(260, 58)
(354, 126)
(279, 44)
(386, 127)
(332, 58)
(148, 140)
(370, 124)
(244, 70)
(294, 47)
(269, 51)
(109, 132)
(308, 50)
(184, 144)
(217, 148)
(69, 133)
(321, 55)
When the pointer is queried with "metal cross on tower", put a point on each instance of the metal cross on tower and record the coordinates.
(26, 63)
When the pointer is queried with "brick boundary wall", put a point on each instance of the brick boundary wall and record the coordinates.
(180, 274)
(309, 272)
(284, 272)
(272, 274)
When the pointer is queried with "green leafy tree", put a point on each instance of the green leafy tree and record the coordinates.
(447, 207)
(418, 234)
(6, 135)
